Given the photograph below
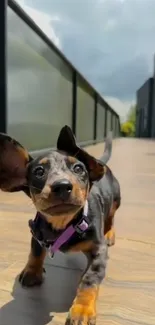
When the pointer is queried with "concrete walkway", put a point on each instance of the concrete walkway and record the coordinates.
(127, 296)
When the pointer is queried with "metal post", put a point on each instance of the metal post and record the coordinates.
(74, 101)
(95, 116)
(113, 132)
(111, 122)
(105, 123)
(119, 127)
(116, 128)
(3, 78)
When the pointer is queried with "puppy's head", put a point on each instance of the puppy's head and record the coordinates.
(59, 183)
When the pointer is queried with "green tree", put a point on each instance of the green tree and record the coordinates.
(129, 126)
(132, 114)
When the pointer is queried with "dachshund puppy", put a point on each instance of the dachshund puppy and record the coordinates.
(76, 197)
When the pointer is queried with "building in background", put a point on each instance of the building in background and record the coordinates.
(145, 109)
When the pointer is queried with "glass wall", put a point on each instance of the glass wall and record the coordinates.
(100, 121)
(40, 91)
(39, 88)
(85, 112)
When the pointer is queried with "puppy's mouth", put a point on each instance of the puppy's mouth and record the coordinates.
(61, 208)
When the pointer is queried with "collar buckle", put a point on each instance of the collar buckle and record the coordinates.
(81, 227)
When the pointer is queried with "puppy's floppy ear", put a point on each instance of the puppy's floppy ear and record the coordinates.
(67, 142)
(13, 162)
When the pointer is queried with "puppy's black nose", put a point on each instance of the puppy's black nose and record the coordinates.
(62, 188)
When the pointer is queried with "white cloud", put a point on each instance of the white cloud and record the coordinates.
(109, 41)
(110, 24)
(43, 20)
(121, 107)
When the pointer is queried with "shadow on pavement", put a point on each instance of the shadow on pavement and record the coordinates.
(34, 306)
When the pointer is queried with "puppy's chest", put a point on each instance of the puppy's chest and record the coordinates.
(76, 239)
(43, 232)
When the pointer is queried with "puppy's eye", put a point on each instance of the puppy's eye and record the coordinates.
(78, 169)
(39, 171)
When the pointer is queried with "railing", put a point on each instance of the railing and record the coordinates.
(45, 91)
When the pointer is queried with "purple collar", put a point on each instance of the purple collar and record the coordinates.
(80, 227)
(55, 245)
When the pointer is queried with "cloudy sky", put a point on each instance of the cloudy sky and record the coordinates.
(110, 41)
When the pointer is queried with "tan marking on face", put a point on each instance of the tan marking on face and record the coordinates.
(80, 192)
(47, 199)
(60, 222)
(72, 160)
(41, 201)
(43, 160)
(46, 191)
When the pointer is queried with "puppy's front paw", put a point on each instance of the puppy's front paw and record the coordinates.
(83, 310)
(81, 315)
(30, 277)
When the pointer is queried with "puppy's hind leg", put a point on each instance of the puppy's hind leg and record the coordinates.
(109, 226)
(110, 235)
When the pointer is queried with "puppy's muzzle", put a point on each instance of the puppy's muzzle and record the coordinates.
(62, 189)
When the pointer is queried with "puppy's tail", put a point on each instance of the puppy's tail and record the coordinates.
(108, 149)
